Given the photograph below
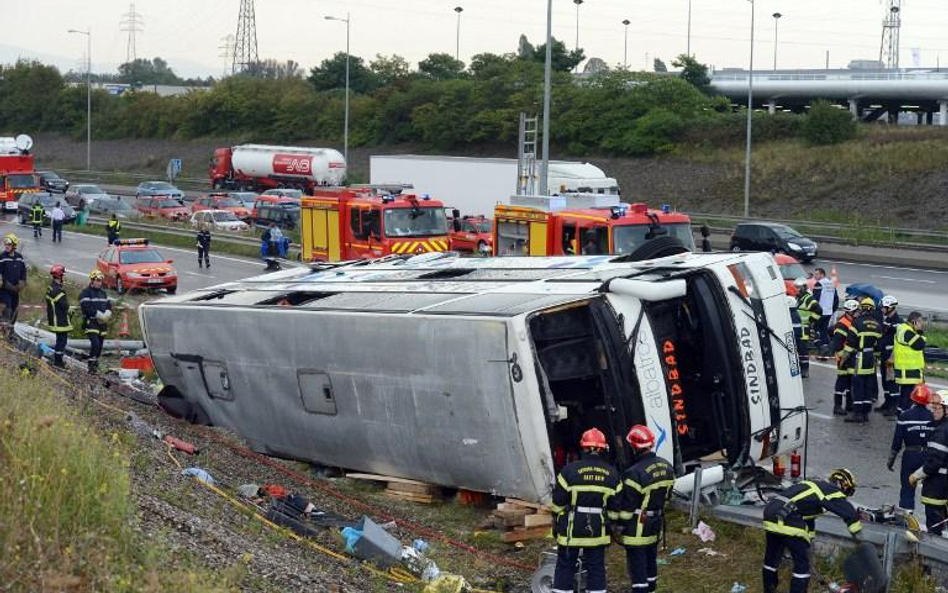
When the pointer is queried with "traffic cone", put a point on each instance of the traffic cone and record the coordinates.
(123, 328)
(834, 276)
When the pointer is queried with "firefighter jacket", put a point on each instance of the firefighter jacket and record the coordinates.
(646, 486)
(794, 511)
(796, 324)
(57, 308)
(584, 498)
(912, 429)
(92, 301)
(908, 354)
(862, 341)
(810, 312)
(12, 271)
(36, 213)
(113, 227)
(204, 239)
(889, 324)
(844, 362)
(935, 469)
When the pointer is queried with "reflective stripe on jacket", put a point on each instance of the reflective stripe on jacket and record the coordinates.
(57, 308)
(584, 497)
(795, 510)
(908, 355)
(645, 490)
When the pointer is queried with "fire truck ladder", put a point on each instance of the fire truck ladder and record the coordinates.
(527, 156)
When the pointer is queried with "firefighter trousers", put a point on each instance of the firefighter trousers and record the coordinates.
(905, 393)
(911, 461)
(594, 564)
(204, 256)
(803, 351)
(642, 564)
(95, 350)
(935, 499)
(800, 553)
(842, 392)
(60, 348)
(935, 516)
(890, 389)
(37, 229)
(865, 389)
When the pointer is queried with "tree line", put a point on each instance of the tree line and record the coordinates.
(443, 104)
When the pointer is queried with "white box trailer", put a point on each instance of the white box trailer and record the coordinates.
(475, 185)
(483, 373)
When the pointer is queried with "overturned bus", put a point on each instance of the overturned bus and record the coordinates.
(482, 373)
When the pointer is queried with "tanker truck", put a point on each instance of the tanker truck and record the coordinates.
(257, 167)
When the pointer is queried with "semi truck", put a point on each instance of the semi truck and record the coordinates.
(257, 167)
(17, 172)
(482, 373)
(588, 224)
(362, 222)
(475, 185)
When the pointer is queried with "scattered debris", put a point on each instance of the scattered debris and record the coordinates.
(368, 541)
(704, 532)
(712, 552)
(448, 584)
(404, 489)
(200, 474)
(680, 551)
(738, 588)
(521, 520)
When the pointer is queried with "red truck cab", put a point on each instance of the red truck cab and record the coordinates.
(471, 233)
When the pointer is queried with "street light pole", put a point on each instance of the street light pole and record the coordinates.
(750, 111)
(345, 133)
(577, 3)
(625, 52)
(776, 16)
(88, 34)
(545, 164)
(457, 48)
(689, 29)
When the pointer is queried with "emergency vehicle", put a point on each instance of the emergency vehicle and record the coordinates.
(370, 221)
(582, 224)
(17, 173)
(133, 264)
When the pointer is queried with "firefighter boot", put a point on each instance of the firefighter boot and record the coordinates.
(58, 361)
(93, 367)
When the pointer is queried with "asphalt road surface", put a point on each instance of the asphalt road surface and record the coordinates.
(926, 290)
(78, 253)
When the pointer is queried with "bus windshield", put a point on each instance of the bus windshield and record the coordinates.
(415, 222)
(627, 238)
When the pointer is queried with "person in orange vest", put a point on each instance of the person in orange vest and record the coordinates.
(842, 392)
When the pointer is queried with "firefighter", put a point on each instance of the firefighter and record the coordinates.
(646, 487)
(114, 229)
(842, 393)
(13, 279)
(789, 523)
(890, 389)
(797, 326)
(96, 313)
(37, 212)
(204, 247)
(585, 497)
(57, 312)
(862, 342)
(908, 355)
(810, 312)
(934, 470)
(912, 430)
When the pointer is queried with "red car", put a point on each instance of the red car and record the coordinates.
(163, 207)
(790, 269)
(221, 201)
(471, 233)
(133, 264)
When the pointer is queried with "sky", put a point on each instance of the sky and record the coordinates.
(189, 34)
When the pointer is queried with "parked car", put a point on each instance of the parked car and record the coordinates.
(285, 212)
(121, 208)
(52, 182)
(162, 207)
(84, 191)
(247, 198)
(158, 188)
(221, 220)
(284, 192)
(790, 269)
(48, 202)
(471, 233)
(134, 264)
(773, 237)
(221, 201)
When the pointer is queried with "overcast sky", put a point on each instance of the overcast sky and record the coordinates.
(190, 33)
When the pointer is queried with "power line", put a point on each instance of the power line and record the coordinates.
(132, 23)
(245, 47)
(227, 52)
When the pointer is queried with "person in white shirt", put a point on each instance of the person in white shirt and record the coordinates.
(58, 217)
(825, 292)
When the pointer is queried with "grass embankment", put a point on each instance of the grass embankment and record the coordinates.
(67, 522)
(172, 240)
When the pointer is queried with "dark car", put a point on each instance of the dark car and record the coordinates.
(52, 182)
(286, 215)
(122, 209)
(773, 237)
(48, 202)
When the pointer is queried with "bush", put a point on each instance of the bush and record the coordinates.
(826, 124)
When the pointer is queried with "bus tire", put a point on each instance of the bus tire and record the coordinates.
(657, 247)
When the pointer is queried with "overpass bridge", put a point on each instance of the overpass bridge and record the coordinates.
(869, 94)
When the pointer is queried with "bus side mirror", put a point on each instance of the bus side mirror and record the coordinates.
(457, 224)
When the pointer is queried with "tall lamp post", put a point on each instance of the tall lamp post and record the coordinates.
(545, 163)
(457, 44)
(577, 3)
(88, 34)
(625, 52)
(345, 133)
(750, 111)
(688, 50)
(776, 16)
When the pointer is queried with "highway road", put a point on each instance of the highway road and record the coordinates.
(926, 290)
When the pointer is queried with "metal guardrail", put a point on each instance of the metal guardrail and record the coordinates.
(178, 232)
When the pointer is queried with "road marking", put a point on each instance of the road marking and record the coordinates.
(884, 267)
(198, 274)
(249, 262)
(905, 279)
(825, 365)
(820, 416)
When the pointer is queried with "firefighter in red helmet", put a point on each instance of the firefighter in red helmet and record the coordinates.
(646, 487)
(585, 500)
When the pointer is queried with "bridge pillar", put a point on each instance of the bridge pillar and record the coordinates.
(854, 108)
(943, 113)
(772, 107)
(929, 117)
(919, 117)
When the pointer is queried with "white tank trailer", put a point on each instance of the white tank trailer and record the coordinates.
(322, 166)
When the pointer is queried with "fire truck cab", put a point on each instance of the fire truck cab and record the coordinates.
(367, 222)
(582, 224)
(17, 173)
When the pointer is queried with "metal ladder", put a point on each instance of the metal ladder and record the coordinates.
(527, 156)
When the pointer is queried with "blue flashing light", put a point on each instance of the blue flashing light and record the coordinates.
(666, 208)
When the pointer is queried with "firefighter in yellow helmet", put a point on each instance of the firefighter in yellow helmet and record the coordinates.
(12, 280)
(862, 342)
(96, 313)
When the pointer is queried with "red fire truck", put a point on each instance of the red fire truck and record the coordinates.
(257, 167)
(17, 175)
(368, 222)
(583, 224)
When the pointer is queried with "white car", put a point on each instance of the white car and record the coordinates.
(220, 220)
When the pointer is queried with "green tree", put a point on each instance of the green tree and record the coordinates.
(275, 69)
(29, 94)
(659, 66)
(390, 71)
(441, 66)
(827, 124)
(144, 71)
(331, 74)
(560, 59)
(487, 65)
(692, 71)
